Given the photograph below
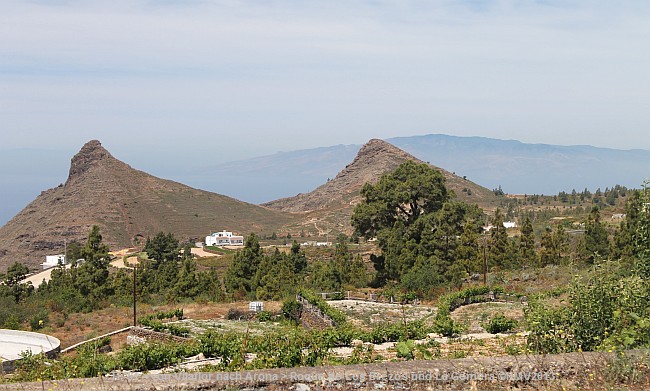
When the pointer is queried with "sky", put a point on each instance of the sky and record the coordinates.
(252, 77)
(193, 82)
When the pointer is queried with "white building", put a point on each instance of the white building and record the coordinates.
(224, 238)
(256, 306)
(510, 224)
(506, 224)
(53, 261)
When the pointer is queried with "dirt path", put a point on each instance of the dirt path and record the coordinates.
(130, 261)
(38, 278)
(201, 253)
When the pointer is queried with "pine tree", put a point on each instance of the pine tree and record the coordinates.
(554, 245)
(642, 234)
(527, 243)
(298, 258)
(92, 275)
(241, 272)
(469, 253)
(498, 241)
(596, 241)
(624, 246)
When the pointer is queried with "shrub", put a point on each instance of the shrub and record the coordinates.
(39, 320)
(236, 314)
(608, 311)
(264, 316)
(291, 309)
(148, 356)
(500, 324)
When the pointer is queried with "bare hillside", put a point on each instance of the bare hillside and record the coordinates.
(127, 204)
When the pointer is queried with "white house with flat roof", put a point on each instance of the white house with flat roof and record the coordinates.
(224, 238)
(53, 261)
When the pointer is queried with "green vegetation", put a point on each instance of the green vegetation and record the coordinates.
(500, 324)
(427, 239)
(610, 309)
(154, 321)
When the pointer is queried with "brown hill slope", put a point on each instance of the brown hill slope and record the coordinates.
(332, 203)
(127, 204)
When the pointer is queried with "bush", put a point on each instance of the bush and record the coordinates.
(154, 322)
(148, 356)
(500, 324)
(228, 347)
(39, 320)
(236, 314)
(446, 326)
(264, 316)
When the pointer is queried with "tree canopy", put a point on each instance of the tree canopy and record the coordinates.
(412, 190)
(421, 231)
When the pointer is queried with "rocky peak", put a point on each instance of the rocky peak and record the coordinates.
(376, 145)
(375, 158)
(90, 154)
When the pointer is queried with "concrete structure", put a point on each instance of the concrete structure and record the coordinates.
(256, 306)
(53, 261)
(224, 238)
(14, 342)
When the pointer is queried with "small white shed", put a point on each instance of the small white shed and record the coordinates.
(256, 306)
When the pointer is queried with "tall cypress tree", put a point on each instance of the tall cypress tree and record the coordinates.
(498, 241)
(241, 272)
(527, 243)
(596, 241)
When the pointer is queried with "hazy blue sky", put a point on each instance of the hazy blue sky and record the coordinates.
(235, 79)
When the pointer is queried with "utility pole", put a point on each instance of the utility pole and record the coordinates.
(134, 319)
(484, 257)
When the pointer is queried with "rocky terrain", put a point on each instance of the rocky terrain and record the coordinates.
(127, 204)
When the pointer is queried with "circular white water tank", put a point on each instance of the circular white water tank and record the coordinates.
(14, 342)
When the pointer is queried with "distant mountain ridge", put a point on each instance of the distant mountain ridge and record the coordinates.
(517, 167)
(530, 168)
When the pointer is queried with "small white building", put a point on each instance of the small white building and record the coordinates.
(506, 224)
(509, 224)
(256, 306)
(53, 261)
(224, 238)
